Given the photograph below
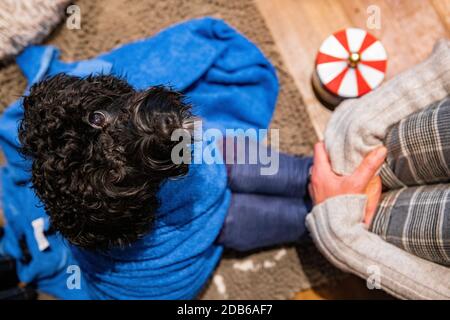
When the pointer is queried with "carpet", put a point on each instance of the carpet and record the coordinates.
(276, 273)
(27, 21)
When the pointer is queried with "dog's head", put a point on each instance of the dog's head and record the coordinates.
(100, 151)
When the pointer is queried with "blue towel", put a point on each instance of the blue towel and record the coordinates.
(231, 85)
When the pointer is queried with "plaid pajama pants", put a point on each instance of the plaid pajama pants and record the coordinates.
(414, 213)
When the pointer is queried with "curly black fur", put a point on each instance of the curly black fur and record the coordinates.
(99, 184)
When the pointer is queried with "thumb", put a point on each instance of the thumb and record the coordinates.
(373, 192)
(370, 165)
(321, 160)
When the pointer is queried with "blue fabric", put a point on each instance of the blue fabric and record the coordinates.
(290, 180)
(267, 210)
(230, 83)
(256, 221)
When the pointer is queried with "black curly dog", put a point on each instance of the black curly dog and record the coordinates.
(100, 151)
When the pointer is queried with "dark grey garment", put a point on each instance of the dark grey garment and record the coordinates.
(417, 219)
(414, 213)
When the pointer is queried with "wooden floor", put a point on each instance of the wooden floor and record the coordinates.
(350, 288)
(409, 28)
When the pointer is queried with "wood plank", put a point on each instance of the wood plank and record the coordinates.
(351, 287)
(409, 30)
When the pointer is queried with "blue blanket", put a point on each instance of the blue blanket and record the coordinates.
(231, 85)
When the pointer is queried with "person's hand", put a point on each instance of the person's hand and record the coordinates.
(373, 192)
(326, 184)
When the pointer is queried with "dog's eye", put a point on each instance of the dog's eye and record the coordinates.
(97, 119)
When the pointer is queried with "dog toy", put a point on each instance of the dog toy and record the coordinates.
(349, 64)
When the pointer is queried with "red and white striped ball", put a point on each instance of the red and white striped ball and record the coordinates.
(351, 62)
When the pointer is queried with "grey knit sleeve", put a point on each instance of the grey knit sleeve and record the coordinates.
(337, 230)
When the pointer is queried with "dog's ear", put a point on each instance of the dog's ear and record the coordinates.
(157, 114)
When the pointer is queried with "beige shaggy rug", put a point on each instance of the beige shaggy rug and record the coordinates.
(276, 273)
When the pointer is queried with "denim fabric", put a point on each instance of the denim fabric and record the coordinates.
(290, 180)
(267, 210)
